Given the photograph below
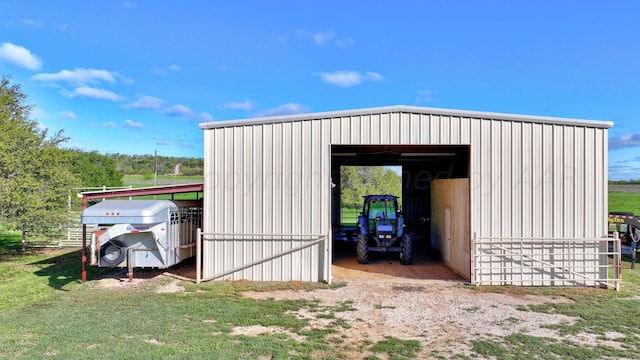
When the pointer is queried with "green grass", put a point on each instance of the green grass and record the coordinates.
(625, 201)
(597, 312)
(47, 312)
(349, 216)
(141, 181)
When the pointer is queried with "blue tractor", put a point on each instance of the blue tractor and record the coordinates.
(381, 229)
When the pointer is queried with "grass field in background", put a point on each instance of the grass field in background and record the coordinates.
(349, 216)
(138, 181)
(624, 201)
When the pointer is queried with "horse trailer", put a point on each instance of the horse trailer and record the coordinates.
(142, 233)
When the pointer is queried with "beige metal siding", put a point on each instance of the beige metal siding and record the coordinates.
(540, 181)
(266, 179)
(528, 178)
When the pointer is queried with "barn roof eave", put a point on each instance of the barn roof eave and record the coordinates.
(407, 109)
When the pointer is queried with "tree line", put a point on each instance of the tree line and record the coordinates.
(164, 165)
(357, 181)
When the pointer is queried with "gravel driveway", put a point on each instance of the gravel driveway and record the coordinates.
(443, 315)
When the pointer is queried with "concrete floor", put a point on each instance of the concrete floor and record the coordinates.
(387, 267)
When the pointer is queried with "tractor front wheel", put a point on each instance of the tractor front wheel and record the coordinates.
(363, 249)
(406, 251)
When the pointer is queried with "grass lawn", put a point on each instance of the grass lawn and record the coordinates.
(47, 312)
(624, 201)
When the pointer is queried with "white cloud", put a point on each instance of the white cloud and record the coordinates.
(238, 105)
(286, 109)
(373, 76)
(94, 93)
(146, 102)
(31, 22)
(168, 69)
(19, 56)
(133, 125)
(424, 96)
(38, 113)
(205, 116)
(323, 38)
(349, 78)
(67, 115)
(344, 42)
(79, 76)
(623, 141)
(179, 110)
(110, 124)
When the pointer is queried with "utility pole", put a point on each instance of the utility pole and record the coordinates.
(155, 171)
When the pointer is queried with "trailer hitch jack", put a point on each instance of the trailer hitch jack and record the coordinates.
(130, 264)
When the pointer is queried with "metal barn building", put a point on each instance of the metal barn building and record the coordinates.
(508, 199)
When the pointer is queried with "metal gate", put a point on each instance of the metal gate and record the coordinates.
(546, 261)
(268, 257)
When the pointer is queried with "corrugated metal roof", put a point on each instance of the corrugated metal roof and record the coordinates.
(154, 190)
(409, 109)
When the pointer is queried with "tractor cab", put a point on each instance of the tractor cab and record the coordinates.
(381, 229)
(381, 214)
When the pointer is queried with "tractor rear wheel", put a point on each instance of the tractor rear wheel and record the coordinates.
(406, 251)
(363, 249)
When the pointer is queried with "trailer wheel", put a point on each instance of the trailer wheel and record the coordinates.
(363, 251)
(406, 251)
(112, 252)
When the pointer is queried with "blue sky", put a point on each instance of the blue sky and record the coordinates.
(138, 76)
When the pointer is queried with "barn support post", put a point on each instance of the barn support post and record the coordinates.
(198, 255)
(84, 253)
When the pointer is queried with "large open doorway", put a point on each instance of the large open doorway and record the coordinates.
(418, 166)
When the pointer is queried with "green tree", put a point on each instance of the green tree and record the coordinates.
(357, 181)
(94, 169)
(35, 175)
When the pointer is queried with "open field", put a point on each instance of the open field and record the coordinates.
(140, 181)
(627, 200)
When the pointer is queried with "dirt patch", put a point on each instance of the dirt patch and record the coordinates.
(171, 287)
(441, 315)
(444, 315)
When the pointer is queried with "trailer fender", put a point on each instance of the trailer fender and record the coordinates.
(113, 252)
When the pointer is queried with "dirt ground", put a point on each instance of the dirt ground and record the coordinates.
(424, 301)
(387, 267)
